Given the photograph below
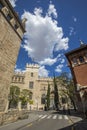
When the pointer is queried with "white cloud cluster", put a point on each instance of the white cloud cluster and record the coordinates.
(13, 2)
(43, 72)
(72, 31)
(59, 68)
(42, 33)
(48, 61)
(52, 11)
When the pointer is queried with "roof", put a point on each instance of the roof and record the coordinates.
(82, 47)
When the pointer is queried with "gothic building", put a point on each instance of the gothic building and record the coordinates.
(11, 33)
(77, 61)
(38, 86)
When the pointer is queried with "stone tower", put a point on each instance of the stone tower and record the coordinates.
(11, 33)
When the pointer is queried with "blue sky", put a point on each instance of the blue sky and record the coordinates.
(52, 29)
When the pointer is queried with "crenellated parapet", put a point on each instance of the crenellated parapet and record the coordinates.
(46, 79)
(32, 66)
(18, 77)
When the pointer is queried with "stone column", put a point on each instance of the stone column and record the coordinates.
(7, 105)
(28, 106)
(19, 105)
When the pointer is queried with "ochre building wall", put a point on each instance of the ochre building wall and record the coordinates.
(9, 47)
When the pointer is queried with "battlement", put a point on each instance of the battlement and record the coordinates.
(19, 73)
(47, 79)
(32, 66)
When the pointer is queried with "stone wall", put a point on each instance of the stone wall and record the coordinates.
(12, 116)
(10, 38)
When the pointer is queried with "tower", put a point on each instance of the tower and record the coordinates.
(11, 33)
(78, 65)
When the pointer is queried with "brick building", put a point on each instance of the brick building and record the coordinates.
(77, 61)
(11, 33)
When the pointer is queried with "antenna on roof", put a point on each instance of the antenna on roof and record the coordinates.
(82, 43)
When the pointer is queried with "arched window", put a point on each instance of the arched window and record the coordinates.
(81, 59)
(30, 96)
(74, 60)
(1, 5)
(43, 98)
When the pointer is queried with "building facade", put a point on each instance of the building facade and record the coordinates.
(11, 33)
(77, 61)
(38, 86)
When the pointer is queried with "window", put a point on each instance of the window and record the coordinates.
(15, 26)
(86, 55)
(9, 17)
(75, 60)
(30, 96)
(31, 74)
(1, 6)
(64, 100)
(44, 88)
(31, 84)
(43, 98)
(81, 59)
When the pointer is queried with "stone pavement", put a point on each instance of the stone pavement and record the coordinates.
(21, 123)
(78, 121)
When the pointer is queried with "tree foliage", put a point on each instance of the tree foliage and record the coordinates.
(56, 94)
(14, 96)
(67, 82)
(25, 96)
(48, 96)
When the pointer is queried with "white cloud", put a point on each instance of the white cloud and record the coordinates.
(62, 61)
(52, 10)
(42, 33)
(72, 31)
(59, 68)
(74, 19)
(48, 61)
(13, 2)
(43, 72)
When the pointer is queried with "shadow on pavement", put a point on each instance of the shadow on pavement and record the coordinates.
(81, 125)
(70, 112)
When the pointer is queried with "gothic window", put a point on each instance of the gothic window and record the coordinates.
(43, 98)
(32, 74)
(75, 60)
(81, 59)
(31, 85)
(30, 96)
(63, 100)
(1, 6)
(15, 26)
(44, 88)
(9, 17)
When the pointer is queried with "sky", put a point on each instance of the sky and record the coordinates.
(53, 28)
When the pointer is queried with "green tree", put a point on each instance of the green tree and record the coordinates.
(14, 96)
(25, 96)
(48, 96)
(67, 82)
(56, 95)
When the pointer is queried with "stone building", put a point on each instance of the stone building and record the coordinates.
(11, 33)
(38, 86)
(78, 64)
